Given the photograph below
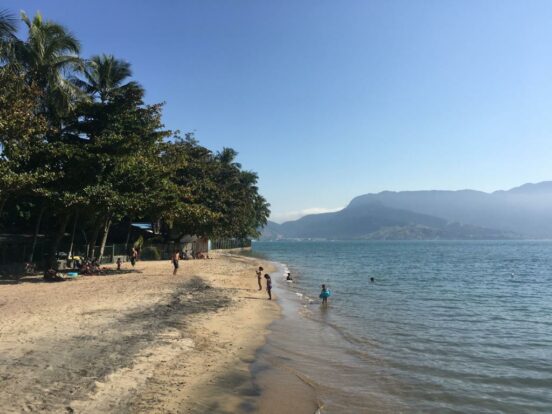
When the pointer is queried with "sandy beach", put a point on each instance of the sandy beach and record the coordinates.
(138, 342)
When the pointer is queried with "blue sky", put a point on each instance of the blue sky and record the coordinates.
(327, 100)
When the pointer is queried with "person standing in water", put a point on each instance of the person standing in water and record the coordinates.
(175, 259)
(259, 276)
(268, 286)
(324, 295)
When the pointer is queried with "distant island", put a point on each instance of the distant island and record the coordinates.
(523, 212)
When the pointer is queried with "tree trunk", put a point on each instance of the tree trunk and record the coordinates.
(94, 238)
(57, 240)
(128, 233)
(84, 237)
(156, 226)
(70, 253)
(104, 238)
(2, 204)
(37, 230)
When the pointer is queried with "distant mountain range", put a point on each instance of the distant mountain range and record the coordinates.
(522, 212)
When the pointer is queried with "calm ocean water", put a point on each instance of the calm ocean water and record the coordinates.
(447, 326)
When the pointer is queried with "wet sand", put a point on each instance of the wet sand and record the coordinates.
(137, 342)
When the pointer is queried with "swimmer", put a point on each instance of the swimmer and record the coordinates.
(288, 277)
(372, 280)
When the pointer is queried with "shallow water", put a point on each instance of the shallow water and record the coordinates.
(449, 326)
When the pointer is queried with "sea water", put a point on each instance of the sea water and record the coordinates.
(446, 326)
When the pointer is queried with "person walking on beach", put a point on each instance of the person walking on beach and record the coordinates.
(175, 259)
(268, 286)
(259, 276)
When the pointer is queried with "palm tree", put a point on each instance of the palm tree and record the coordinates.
(7, 33)
(49, 57)
(228, 157)
(105, 76)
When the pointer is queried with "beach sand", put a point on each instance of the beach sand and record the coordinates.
(136, 342)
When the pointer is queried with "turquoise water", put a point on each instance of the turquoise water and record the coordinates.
(451, 326)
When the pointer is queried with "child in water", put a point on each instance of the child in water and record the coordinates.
(268, 286)
(324, 295)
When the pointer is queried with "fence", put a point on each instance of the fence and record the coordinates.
(18, 250)
(164, 251)
(230, 244)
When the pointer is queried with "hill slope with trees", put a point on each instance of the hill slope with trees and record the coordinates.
(521, 212)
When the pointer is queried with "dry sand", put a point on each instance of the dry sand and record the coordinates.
(146, 342)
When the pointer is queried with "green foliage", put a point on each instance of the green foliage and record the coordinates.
(48, 55)
(22, 133)
(138, 243)
(77, 138)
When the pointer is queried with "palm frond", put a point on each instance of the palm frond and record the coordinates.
(8, 25)
(105, 75)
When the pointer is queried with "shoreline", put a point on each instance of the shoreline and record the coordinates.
(137, 342)
(284, 388)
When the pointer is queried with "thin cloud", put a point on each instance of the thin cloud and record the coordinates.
(294, 215)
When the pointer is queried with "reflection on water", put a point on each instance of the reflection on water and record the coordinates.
(446, 327)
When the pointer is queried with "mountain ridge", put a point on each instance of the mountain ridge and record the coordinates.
(520, 212)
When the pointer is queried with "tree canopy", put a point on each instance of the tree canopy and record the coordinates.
(80, 145)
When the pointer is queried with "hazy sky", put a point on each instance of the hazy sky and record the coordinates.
(327, 100)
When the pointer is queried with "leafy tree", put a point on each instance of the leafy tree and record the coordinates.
(44, 59)
(122, 136)
(78, 141)
(244, 209)
(22, 133)
(192, 194)
(215, 197)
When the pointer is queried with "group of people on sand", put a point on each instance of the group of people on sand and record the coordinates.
(89, 267)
